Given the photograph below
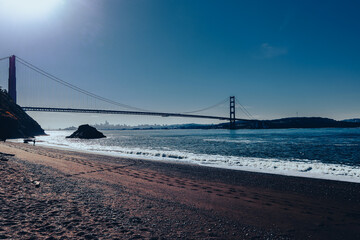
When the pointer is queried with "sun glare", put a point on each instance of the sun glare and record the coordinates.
(29, 9)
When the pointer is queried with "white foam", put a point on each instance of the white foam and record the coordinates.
(232, 140)
(290, 167)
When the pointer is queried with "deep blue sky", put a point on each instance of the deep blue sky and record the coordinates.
(277, 57)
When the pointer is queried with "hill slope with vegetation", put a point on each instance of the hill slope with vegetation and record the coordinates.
(14, 121)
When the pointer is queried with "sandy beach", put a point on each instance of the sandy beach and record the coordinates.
(55, 194)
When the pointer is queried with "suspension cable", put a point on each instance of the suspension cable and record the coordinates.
(75, 88)
(4, 58)
(244, 110)
(95, 96)
(207, 108)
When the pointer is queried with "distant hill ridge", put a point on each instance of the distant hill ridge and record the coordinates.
(14, 121)
(294, 122)
(354, 120)
(297, 122)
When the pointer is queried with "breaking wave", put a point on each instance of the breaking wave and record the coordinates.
(282, 166)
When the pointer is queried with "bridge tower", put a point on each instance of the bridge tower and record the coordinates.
(12, 78)
(232, 112)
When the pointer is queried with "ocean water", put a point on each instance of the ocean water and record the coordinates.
(316, 153)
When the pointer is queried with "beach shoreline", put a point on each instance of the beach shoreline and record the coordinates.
(227, 153)
(149, 199)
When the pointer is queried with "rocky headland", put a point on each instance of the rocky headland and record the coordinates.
(14, 121)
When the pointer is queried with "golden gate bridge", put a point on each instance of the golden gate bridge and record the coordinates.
(40, 105)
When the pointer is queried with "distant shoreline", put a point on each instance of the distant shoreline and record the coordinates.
(283, 123)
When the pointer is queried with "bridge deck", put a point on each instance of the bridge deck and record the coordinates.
(78, 110)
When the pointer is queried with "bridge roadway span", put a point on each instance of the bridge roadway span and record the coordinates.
(77, 110)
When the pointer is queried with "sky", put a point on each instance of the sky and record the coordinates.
(279, 58)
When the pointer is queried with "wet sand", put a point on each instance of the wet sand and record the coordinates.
(55, 194)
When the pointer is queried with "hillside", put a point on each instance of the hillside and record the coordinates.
(299, 122)
(14, 122)
(354, 120)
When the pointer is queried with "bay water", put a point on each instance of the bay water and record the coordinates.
(316, 153)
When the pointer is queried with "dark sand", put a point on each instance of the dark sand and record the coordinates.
(55, 194)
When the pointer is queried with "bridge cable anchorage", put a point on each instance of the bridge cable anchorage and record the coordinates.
(207, 108)
(75, 88)
(244, 110)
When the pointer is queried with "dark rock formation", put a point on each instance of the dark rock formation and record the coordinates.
(15, 122)
(86, 132)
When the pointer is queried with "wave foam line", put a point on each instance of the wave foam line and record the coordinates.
(289, 167)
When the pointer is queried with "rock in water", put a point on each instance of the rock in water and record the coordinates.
(86, 132)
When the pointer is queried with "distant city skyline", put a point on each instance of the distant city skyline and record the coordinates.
(279, 58)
